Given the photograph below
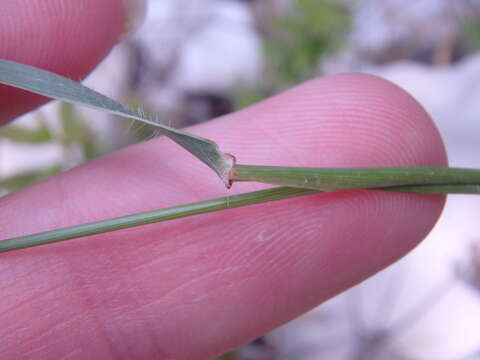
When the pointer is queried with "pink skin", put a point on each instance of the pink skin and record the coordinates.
(196, 287)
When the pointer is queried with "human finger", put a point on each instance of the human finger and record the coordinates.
(196, 287)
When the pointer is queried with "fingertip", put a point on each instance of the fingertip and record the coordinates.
(345, 120)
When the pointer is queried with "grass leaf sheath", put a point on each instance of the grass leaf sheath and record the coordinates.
(329, 179)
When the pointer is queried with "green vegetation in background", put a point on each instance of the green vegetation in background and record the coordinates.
(39, 135)
(471, 34)
(294, 44)
(310, 30)
(74, 131)
(25, 179)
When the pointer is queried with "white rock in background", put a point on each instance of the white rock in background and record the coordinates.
(17, 158)
(452, 97)
(383, 31)
(378, 23)
(222, 54)
(196, 46)
(111, 78)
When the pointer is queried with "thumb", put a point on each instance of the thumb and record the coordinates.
(66, 37)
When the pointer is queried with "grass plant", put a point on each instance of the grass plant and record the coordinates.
(295, 181)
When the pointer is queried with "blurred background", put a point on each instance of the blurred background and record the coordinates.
(193, 60)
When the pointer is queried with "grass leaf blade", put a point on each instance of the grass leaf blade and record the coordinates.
(54, 86)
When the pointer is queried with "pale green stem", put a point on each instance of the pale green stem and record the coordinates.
(149, 217)
(202, 207)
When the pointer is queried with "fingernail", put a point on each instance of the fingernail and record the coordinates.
(135, 11)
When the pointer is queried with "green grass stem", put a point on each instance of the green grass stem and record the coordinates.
(223, 203)
(150, 217)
